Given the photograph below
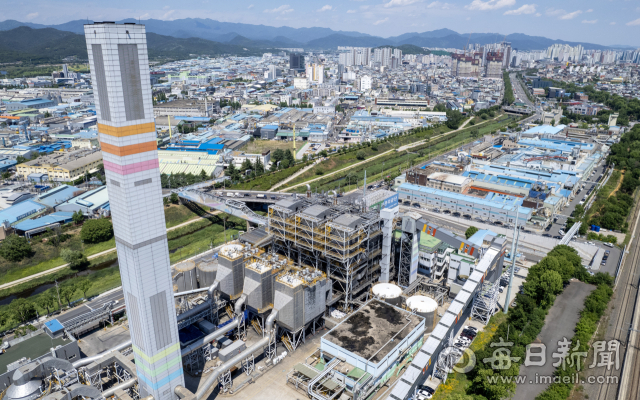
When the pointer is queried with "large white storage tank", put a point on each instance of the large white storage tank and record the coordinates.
(425, 307)
(388, 292)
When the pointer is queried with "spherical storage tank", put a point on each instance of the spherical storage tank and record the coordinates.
(186, 276)
(388, 292)
(207, 272)
(425, 307)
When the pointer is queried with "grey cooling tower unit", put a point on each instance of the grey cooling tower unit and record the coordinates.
(185, 277)
(231, 270)
(301, 296)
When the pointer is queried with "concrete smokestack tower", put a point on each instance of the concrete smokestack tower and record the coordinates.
(122, 93)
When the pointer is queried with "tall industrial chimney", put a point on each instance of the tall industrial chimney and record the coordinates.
(121, 84)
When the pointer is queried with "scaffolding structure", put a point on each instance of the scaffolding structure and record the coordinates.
(447, 359)
(485, 302)
(427, 287)
(406, 254)
(344, 240)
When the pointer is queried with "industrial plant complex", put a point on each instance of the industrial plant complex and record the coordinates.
(363, 290)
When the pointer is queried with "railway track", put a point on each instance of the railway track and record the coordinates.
(608, 380)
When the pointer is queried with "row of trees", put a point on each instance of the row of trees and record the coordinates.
(23, 310)
(508, 98)
(181, 179)
(545, 281)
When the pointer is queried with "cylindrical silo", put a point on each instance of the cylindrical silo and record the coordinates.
(425, 307)
(207, 270)
(388, 292)
(186, 276)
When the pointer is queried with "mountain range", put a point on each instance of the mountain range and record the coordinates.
(261, 36)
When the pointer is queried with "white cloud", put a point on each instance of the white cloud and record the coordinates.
(437, 4)
(381, 21)
(571, 15)
(283, 9)
(168, 14)
(32, 16)
(145, 16)
(612, 23)
(593, 21)
(553, 12)
(325, 8)
(351, 11)
(400, 3)
(634, 22)
(166, 7)
(525, 9)
(364, 7)
(590, 10)
(538, 15)
(489, 4)
(250, 7)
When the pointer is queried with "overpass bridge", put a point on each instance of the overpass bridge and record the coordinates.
(232, 206)
(514, 110)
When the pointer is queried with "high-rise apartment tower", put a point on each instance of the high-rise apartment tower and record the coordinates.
(122, 91)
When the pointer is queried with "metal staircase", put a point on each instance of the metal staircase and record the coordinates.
(257, 327)
(287, 343)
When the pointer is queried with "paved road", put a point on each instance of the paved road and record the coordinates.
(559, 324)
(520, 92)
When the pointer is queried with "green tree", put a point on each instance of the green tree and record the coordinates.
(246, 165)
(96, 231)
(231, 170)
(77, 217)
(15, 248)
(174, 199)
(203, 175)
(84, 286)
(470, 231)
(75, 259)
(47, 301)
(284, 164)
(165, 201)
(67, 292)
(22, 310)
(361, 155)
(324, 153)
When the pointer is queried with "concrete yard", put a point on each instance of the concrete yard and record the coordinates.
(103, 339)
(559, 324)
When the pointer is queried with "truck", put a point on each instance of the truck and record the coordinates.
(261, 196)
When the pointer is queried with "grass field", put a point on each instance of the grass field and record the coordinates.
(258, 146)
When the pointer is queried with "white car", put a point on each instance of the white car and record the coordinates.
(471, 328)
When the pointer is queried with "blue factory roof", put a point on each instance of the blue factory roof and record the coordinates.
(54, 325)
(507, 203)
(499, 179)
(57, 195)
(93, 199)
(546, 129)
(192, 119)
(478, 237)
(20, 211)
(272, 127)
(57, 217)
(33, 102)
(558, 145)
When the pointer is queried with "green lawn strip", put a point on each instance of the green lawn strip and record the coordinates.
(178, 214)
(266, 181)
(594, 307)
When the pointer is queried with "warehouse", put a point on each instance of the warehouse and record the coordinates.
(498, 208)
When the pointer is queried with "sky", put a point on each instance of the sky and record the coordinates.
(606, 22)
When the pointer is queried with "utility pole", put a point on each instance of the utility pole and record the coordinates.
(514, 249)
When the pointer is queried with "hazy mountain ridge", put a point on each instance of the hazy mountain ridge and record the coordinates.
(262, 36)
